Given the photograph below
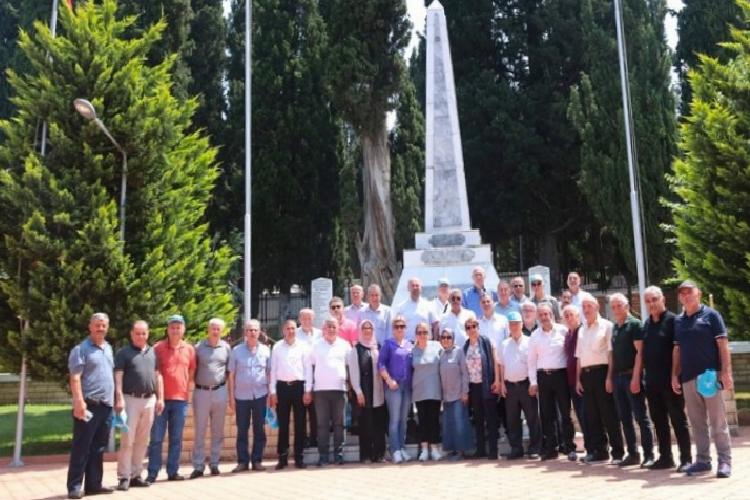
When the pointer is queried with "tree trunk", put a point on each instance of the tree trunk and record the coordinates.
(548, 256)
(377, 250)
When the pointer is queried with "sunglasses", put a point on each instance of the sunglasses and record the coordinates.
(399, 327)
(471, 327)
(446, 337)
(422, 332)
(537, 283)
(455, 299)
(337, 306)
(517, 286)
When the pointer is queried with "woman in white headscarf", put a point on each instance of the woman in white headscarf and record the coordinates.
(368, 388)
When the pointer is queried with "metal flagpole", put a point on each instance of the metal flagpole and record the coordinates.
(635, 207)
(248, 157)
(16, 461)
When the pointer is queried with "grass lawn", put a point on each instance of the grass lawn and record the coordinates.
(48, 429)
(742, 396)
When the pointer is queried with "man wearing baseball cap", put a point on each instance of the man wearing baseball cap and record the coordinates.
(702, 352)
(441, 303)
(175, 360)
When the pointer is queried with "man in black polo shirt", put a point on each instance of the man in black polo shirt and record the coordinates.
(629, 398)
(701, 344)
(663, 404)
(139, 391)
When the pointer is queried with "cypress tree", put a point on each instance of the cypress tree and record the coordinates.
(61, 258)
(712, 180)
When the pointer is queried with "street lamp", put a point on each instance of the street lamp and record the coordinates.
(86, 110)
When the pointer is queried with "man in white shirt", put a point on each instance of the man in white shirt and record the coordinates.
(309, 335)
(514, 388)
(548, 375)
(594, 353)
(456, 317)
(441, 303)
(379, 314)
(574, 286)
(327, 381)
(290, 361)
(492, 325)
(416, 309)
(354, 310)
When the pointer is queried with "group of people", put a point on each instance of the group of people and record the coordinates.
(468, 360)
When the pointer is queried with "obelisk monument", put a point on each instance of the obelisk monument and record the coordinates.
(449, 247)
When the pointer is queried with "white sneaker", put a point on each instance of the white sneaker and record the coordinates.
(405, 456)
(397, 457)
(435, 454)
(424, 455)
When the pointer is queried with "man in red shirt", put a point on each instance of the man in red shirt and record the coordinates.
(175, 361)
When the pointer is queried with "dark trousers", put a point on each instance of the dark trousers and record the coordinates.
(665, 406)
(502, 417)
(428, 423)
(290, 399)
(631, 405)
(87, 451)
(601, 413)
(372, 423)
(580, 409)
(484, 416)
(311, 424)
(554, 400)
(517, 399)
(329, 406)
(245, 411)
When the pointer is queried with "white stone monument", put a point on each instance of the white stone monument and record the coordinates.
(321, 293)
(449, 247)
(543, 271)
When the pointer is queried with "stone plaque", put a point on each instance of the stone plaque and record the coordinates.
(445, 256)
(447, 240)
(321, 293)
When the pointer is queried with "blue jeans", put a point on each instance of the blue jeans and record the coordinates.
(631, 405)
(398, 402)
(172, 419)
(247, 410)
(457, 434)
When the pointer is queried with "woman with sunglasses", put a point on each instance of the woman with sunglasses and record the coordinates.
(454, 382)
(395, 366)
(368, 388)
(425, 388)
(484, 385)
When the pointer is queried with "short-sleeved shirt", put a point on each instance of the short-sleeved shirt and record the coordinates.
(696, 335)
(211, 362)
(594, 342)
(494, 328)
(138, 367)
(508, 308)
(95, 366)
(174, 364)
(251, 371)
(425, 383)
(623, 350)
(514, 356)
(471, 298)
(417, 312)
(658, 344)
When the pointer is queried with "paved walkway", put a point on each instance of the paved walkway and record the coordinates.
(468, 479)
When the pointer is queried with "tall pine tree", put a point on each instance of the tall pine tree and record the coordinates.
(596, 111)
(61, 258)
(712, 180)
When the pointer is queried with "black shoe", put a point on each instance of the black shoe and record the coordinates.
(339, 460)
(240, 468)
(258, 467)
(662, 463)
(322, 463)
(75, 493)
(281, 465)
(514, 455)
(532, 456)
(177, 477)
(215, 470)
(101, 490)
(123, 484)
(195, 473)
(137, 482)
(593, 458)
(150, 479)
(648, 462)
(479, 454)
(300, 465)
(550, 455)
(492, 455)
(630, 459)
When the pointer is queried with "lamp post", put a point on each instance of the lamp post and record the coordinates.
(86, 110)
(248, 157)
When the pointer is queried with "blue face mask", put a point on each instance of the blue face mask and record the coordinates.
(707, 384)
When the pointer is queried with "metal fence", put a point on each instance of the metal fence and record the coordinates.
(275, 308)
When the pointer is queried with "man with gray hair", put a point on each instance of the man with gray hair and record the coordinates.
(139, 391)
(210, 397)
(528, 314)
(505, 305)
(353, 311)
(538, 295)
(416, 309)
(473, 294)
(628, 388)
(92, 386)
(377, 313)
(663, 403)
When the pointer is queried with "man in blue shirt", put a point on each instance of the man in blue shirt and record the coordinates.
(701, 343)
(472, 296)
(92, 386)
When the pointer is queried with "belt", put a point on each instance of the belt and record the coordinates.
(586, 369)
(550, 372)
(143, 395)
(289, 382)
(524, 381)
(95, 402)
(210, 387)
(626, 372)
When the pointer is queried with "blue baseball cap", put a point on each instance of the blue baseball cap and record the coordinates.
(514, 316)
(176, 318)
